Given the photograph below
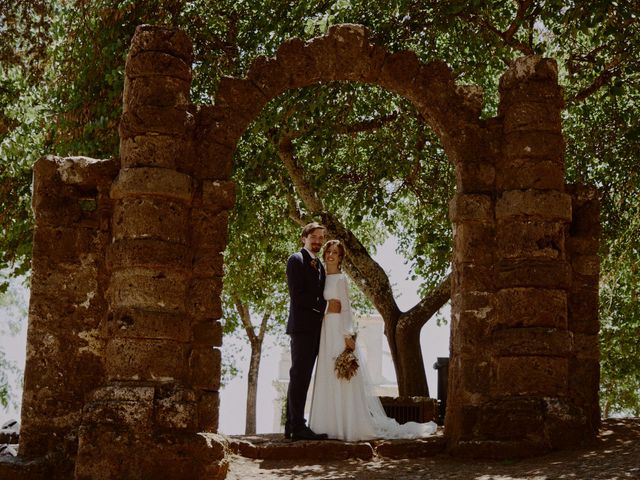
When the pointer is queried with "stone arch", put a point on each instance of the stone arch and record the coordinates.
(523, 369)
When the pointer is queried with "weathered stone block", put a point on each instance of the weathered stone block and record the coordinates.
(531, 341)
(214, 160)
(547, 205)
(530, 239)
(433, 91)
(208, 261)
(472, 98)
(476, 382)
(586, 346)
(52, 172)
(567, 425)
(540, 145)
(208, 411)
(475, 177)
(52, 409)
(39, 441)
(471, 277)
(472, 208)
(528, 173)
(322, 51)
(153, 38)
(584, 231)
(122, 413)
(582, 245)
(527, 68)
(242, 97)
(553, 274)
(160, 91)
(150, 218)
(266, 74)
(68, 245)
(66, 283)
(474, 243)
(160, 182)
(414, 448)
(531, 375)
(297, 65)
(218, 195)
(149, 253)
(208, 332)
(398, 71)
(160, 151)
(352, 60)
(531, 91)
(209, 230)
(136, 323)
(146, 359)
(472, 327)
(158, 65)
(586, 265)
(531, 307)
(176, 409)
(583, 311)
(148, 119)
(203, 301)
(186, 456)
(57, 208)
(511, 418)
(217, 124)
(148, 289)
(205, 364)
(532, 116)
(584, 380)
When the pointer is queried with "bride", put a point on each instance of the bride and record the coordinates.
(347, 409)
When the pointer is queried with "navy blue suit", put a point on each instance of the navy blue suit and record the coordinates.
(306, 310)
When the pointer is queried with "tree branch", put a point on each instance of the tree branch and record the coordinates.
(367, 125)
(245, 317)
(609, 72)
(415, 318)
(508, 36)
(263, 326)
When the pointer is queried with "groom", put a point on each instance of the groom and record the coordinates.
(305, 278)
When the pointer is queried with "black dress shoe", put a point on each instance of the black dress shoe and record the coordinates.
(306, 433)
(287, 432)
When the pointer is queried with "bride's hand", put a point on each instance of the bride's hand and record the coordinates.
(350, 343)
(334, 306)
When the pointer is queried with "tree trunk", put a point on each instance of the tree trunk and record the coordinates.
(256, 342)
(252, 388)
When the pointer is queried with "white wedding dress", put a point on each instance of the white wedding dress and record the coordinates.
(347, 409)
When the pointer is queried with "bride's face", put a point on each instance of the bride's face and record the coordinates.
(332, 256)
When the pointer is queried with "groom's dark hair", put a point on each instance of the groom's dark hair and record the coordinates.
(311, 227)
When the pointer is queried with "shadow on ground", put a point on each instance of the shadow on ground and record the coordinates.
(615, 455)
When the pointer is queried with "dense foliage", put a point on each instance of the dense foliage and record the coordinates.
(60, 90)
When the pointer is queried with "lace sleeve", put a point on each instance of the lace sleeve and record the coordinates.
(347, 314)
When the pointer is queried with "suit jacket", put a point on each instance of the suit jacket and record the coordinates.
(306, 286)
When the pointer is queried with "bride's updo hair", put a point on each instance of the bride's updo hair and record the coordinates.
(338, 244)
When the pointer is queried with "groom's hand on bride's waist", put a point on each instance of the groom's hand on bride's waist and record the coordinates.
(334, 306)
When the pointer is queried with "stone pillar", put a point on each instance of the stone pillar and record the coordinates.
(530, 341)
(162, 371)
(583, 241)
(472, 311)
(67, 306)
(511, 344)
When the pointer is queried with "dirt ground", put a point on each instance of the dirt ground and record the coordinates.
(615, 456)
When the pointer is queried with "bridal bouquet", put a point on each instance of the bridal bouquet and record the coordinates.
(346, 364)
